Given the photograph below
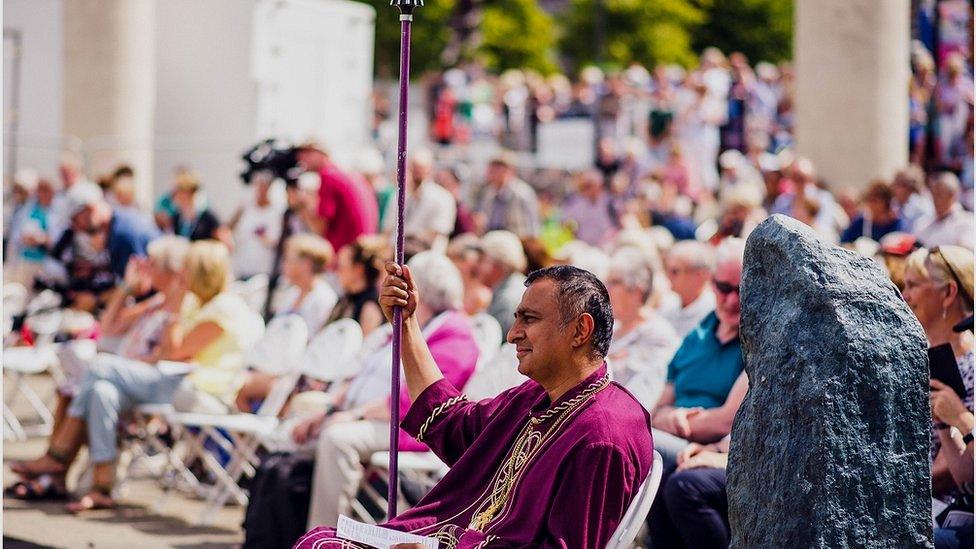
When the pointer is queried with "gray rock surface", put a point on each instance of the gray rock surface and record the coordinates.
(830, 446)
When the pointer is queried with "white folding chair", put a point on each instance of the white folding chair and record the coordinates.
(253, 290)
(19, 362)
(14, 302)
(488, 335)
(278, 353)
(333, 354)
(630, 525)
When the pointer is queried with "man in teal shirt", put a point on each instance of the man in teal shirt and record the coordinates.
(698, 403)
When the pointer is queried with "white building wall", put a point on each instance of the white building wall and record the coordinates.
(40, 25)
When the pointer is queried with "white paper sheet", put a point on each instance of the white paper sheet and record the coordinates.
(377, 536)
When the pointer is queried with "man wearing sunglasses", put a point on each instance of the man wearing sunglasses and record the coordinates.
(706, 383)
(695, 406)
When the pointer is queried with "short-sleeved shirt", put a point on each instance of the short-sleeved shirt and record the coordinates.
(348, 205)
(221, 362)
(703, 370)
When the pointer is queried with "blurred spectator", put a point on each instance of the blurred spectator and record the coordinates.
(309, 296)
(502, 270)
(358, 271)
(911, 198)
(954, 103)
(894, 251)
(689, 266)
(371, 166)
(878, 217)
(466, 253)
(695, 498)
(939, 289)
(205, 325)
(429, 211)
(193, 219)
(643, 342)
(950, 224)
(360, 427)
(450, 179)
(695, 405)
(802, 180)
(97, 247)
(257, 228)
(507, 203)
(347, 206)
(31, 232)
(590, 209)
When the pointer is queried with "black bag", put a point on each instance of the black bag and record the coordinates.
(277, 509)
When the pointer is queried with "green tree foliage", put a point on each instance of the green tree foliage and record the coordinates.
(513, 33)
(646, 31)
(430, 34)
(761, 29)
(517, 34)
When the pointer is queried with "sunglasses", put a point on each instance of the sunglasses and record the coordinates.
(724, 288)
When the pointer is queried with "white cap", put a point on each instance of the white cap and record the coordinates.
(81, 195)
(26, 179)
(506, 248)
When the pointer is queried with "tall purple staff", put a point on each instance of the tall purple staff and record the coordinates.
(406, 8)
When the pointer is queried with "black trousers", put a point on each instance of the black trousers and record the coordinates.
(691, 511)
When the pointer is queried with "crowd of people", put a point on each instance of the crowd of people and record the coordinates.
(687, 164)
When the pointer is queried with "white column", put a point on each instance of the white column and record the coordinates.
(110, 84)
(852, 74)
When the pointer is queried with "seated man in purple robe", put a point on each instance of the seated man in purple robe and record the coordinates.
(554, 462)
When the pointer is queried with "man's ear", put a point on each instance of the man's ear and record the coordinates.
(584, 330)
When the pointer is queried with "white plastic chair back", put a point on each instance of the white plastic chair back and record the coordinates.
(379, 337)
(280, 350)
(14, 299)
(623, 537)
(488, 335)
(332, 355)
(498, 375)
(253, 290)
(48, 299)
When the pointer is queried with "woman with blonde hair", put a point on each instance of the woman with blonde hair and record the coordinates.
(203, 325)
(939, 289)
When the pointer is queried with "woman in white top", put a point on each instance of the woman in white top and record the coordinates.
(643, 342)
(257, 228)
(307, 295)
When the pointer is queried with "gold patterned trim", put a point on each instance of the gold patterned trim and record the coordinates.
(526, 447)
(440, 409)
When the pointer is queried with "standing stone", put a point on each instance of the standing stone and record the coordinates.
(830, 446)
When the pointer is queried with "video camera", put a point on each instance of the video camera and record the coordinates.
(275, 156)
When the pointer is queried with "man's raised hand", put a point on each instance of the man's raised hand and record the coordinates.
(398, 291)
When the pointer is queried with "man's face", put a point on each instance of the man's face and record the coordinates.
(942, 199)
(687, 279)
(497, 174)
(542, 343)
(726, 285)
(311, 159)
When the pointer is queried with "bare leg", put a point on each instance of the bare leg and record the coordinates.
(61, 452)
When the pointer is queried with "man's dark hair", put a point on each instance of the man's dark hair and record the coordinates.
(578, 292)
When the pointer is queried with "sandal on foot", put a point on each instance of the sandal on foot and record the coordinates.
(91, 501)
(42, 488)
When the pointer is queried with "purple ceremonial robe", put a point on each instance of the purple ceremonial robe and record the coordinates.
(525, 472)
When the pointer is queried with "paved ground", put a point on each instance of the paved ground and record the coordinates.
(135, 524)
